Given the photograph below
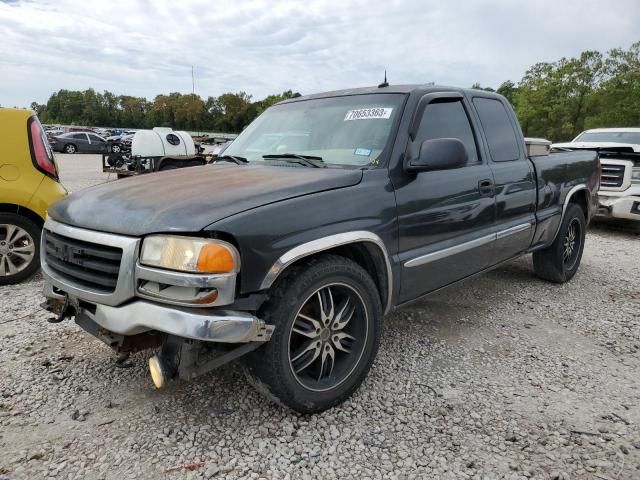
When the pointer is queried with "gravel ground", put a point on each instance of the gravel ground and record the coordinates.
(504, 376)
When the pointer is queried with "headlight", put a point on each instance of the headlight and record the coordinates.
(188, 254)
(635, 174)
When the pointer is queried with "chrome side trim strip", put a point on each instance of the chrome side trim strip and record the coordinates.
(440, 254)
(326, 243)
(463, 247)
(513, 230)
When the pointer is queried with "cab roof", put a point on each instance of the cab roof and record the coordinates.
(406, 89)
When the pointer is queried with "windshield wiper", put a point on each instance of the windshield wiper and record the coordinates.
(230, 158)
(307, 160)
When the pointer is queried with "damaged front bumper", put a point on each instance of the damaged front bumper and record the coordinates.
(139, 316)
(131, 307)
(624, 204)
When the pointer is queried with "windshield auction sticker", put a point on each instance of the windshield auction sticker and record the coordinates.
(368, 114)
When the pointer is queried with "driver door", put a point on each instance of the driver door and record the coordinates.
(446, 218)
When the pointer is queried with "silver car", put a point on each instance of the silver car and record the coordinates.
(79, 142)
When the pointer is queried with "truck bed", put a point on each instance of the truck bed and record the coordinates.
(558, 173)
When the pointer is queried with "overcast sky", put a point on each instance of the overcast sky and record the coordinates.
(261, 47)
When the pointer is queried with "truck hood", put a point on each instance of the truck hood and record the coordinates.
(190, 199)
(609, 146)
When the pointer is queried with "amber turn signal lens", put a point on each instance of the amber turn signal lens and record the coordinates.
(215, 258)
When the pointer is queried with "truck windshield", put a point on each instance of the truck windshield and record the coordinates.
(614, 137)
(348, 131)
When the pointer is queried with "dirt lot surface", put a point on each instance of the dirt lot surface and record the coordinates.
(504, 376)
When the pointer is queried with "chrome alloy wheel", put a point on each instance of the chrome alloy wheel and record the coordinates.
(328, 337)
(17, 249)
(571, 244)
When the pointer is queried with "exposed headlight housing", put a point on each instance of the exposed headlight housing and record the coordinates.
(189, 254)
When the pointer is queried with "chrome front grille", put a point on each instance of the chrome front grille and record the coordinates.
(83, 263)
(93, 266)
(612, 175)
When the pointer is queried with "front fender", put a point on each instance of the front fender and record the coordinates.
(270, 237)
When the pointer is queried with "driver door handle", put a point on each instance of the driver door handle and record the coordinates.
(486, 188)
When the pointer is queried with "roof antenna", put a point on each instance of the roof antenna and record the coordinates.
(385, 83)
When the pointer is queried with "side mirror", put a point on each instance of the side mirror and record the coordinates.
(438, 154)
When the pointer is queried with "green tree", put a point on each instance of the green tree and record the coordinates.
(617, 103)
(132, 111)
(189, 112)
(509, 90)
(234, 108)
(553, 99)
(477, 86)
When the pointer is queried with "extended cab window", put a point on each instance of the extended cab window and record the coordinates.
(448, 120)
(501, 136)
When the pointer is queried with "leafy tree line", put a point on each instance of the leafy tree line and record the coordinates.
(229, 112)
(558, 100)
(554, 100)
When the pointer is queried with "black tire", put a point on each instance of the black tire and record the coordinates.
(70, 148)
(271, 367)
(115, 148)
(24, 269)
(552, 263)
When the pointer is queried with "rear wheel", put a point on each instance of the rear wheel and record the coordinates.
(327, 317)
(116, 148)
(559, 262)
(19, 248)
(70, 148)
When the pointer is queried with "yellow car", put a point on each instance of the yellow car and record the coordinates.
(28, 185)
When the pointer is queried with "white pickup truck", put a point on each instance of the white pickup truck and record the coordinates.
(619, 149)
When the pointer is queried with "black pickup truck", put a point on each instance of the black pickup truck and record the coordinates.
(327, 212)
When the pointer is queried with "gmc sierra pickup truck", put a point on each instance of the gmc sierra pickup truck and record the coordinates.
(619, 150)
(326, 213)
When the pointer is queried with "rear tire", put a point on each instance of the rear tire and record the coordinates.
(70, 148)
(19, 248)
(327, 314)
(559, 262)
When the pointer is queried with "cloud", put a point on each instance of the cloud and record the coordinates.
(262, 47)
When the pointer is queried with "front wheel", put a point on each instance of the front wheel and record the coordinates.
(19, 248)
(327, 316)
(115, 148)
(560, 261)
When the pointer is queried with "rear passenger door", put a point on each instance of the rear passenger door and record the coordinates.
(446, 217)
(515, 182)
(81, 142)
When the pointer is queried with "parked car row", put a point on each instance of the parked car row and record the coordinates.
(81, 142)
(89, 142)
